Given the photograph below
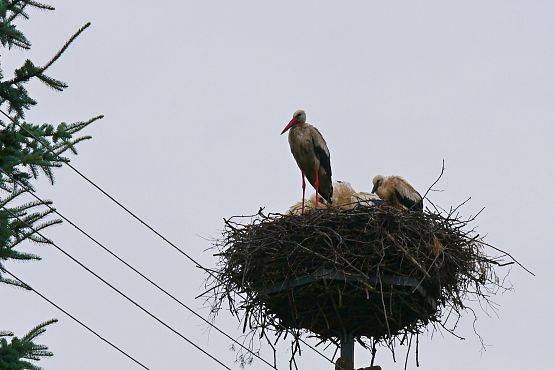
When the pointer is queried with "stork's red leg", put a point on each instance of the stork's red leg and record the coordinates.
(304, 187)
(317, 183)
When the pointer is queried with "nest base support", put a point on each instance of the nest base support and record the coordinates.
(348, 351)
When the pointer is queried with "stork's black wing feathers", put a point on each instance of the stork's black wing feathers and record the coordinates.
(323, 158)
(322, 154)
(410, 203)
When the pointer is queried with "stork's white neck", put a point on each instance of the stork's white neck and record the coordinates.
(299, 126)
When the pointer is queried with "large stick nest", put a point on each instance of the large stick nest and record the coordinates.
(374, 271)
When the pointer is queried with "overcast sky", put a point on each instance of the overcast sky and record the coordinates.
(195, 94)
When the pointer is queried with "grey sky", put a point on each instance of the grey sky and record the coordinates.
(195, 94)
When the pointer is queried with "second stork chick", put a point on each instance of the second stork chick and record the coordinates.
(397, 192)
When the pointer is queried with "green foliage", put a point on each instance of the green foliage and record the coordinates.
(27, 149)
(12, 91)
(19, 352)
(9, 12)
(15, 229)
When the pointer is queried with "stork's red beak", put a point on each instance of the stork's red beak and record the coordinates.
(289, 125)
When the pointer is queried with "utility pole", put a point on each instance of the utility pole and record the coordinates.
(347, 359)
(348, 351)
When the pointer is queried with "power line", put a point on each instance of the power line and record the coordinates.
(135, 216)
(101, 245)
(116, 289)
(113, 199)
(77, 320)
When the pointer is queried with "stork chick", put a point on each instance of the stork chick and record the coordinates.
(312, 156)
(342, 193)
(397, 192)
(344, 197)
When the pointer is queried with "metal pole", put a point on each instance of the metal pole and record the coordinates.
(348, 351)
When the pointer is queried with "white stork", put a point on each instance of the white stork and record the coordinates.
(398, 192)
(312, 155)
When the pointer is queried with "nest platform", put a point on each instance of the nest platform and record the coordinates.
(371, 272)
(332, 303)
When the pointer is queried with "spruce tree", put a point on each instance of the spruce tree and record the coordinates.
(27, 150)
(18, 353)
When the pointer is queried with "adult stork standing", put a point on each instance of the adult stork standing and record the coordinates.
(312, 155)
(398, 192)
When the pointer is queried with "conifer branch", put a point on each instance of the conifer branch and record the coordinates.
(18, 11)
(38, 147)
(38, 5)
(16, 353)
(35, 72)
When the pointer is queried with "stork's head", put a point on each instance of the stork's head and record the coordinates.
(377, 181)
(298, 117)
